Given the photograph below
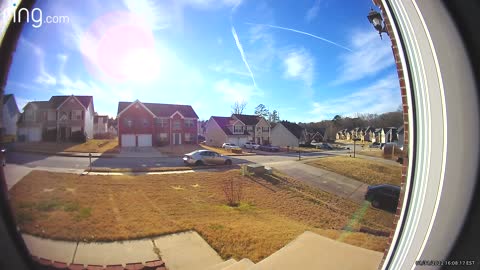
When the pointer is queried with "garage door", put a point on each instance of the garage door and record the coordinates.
(145, 140)
(31, 134)
(128, 140)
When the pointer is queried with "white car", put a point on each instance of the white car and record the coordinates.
(230, 146)
(251, 145)
(204, 157)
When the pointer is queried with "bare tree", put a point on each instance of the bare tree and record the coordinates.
(238, 107)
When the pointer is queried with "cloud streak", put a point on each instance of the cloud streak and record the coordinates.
(242, 53)
(303, 33)
(313, 11)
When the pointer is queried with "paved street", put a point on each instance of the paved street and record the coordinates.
(20, 164)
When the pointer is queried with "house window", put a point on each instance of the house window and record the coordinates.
(145, 123)
(29, 115)
(250, 128)
(188, 123)
(163, 137)
(176, 124)
(76, 115)
(161, 122)
(129, 123)
(237, 129)
(188, 137)
(265, 129)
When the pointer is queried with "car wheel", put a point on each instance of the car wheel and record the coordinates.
(228, 162)
(198, 163)
(375, 203)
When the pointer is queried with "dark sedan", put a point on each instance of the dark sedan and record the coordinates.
(383, 196)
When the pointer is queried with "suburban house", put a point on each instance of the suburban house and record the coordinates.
(100, 124)
(10, 115)
(257, 127)
(62, 118)
(220, 130)
(288, 134)
(316, 135)
(112, 127)
(391, 134)
(202, 129)
(369, 134)
(400, 136)
(380, 135)
(146, 124)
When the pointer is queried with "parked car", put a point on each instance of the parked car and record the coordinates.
(204, 157)
(383, 196)
(376, 145)
(230, 146)
(324, 146)
(269, 148)
(251, 145)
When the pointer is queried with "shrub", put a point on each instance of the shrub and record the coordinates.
(233, 191)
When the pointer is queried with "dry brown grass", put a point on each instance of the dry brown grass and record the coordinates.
(372, 152)
(367, 171)
(271, 214)
(91, 146)
(95, 146)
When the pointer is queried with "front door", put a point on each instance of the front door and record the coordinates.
(177, 139)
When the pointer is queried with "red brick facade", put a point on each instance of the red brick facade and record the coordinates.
(166, 124)
(403, 90)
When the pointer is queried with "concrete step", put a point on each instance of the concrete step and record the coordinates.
(313, 251)
(243, 264)
(221, 265)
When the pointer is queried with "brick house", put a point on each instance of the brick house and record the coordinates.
(148, 124)
(59, 119)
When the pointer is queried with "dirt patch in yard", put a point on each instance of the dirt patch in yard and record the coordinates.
(367, 171)
(273, 211)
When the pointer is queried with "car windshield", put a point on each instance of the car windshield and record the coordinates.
(139, 97)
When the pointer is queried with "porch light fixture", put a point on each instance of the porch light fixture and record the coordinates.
(377, 21)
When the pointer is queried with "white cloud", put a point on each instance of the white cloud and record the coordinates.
(234, 91)
(299, 64)
(44, 77)
(156, 16)
(369, 56)
(382, 96)
(242, 54)
(313, 11)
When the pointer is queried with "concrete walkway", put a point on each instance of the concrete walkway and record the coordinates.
(328, 181)
(180, 251)
(312, 251)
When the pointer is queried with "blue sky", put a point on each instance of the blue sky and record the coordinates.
(209, 54)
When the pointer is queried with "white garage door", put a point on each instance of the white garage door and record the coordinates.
(128, 140)
(145, 140)
(31, 134)
(240, 141)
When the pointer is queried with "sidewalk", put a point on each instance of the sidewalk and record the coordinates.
(178, 251)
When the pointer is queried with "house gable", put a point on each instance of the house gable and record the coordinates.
(135, 103)
(69, 101)
(177, 113)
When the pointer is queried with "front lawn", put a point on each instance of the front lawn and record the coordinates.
(91, 146)
(270, 215)
(367, 171)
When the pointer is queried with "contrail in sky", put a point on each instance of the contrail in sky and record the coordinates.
(301, 32)
(242, 53)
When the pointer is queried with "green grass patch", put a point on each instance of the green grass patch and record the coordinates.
(71, 206)
(49, 205)
(85, 212)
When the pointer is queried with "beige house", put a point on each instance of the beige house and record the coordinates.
(220, 130)
(257, 127)
(100, 124)
(10, 114)
(57, 119)
(287, 134)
